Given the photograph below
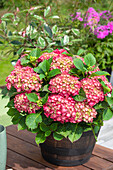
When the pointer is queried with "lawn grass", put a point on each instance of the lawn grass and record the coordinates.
(5, 120)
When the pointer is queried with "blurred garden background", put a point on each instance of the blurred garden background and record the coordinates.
(51, 24)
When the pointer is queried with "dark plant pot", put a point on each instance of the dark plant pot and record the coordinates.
(3, 148)
(65, 153)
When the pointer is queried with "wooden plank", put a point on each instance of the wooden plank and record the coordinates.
(19, 162)
(22, 134)
(103, 152)
(98, 163)
(33, 152)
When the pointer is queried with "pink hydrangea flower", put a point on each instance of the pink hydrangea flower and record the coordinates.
(23, 79)
(65, 84)
(21, 103)
(93, 90)
(84, 112)
(60, 61)
(60, 108)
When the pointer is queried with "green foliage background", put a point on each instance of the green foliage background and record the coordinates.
(62, 8)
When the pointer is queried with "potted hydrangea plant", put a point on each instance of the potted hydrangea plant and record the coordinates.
(63, 99)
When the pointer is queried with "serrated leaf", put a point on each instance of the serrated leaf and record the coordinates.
(32, 97)
(40, 137)
(57, 136)
(41, 41)
(54, 72)
(21, 124)
(79, 64)
(87, 129)
(16, 118)
(106, 89)
(35, 53)
(41, 76)
(12, 112)
(50, 60)
(33, 120)
(46, 11)
(54, 29)
(96, 129)
(44, 99)
(90, 60)
(10, 104)
(79, 98)
(24, 61)
(81, 51)
(44, 127)
(38, 70)
(76, 133)
(53, 126)
(99, 73)
(48, 133)
(45, 66)
(64, 129)
(110, 101)
(107, 114)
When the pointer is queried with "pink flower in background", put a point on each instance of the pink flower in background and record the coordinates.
(93, 19)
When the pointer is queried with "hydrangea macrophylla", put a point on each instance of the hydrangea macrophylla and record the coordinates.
(23, 78)
(65, 84)
(22, 104)
(60, 108)
(93, 90)
(70, 96)
(60, 61)
(56, 53)
(84, 112)
(63, 109)
(64, 63)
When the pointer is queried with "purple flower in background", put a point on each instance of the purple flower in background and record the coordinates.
(110, 26)
(105, 14)
(78, 16)
(93, 19)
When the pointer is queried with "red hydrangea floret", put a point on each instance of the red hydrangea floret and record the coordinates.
(46, 56)
(60, 61)
(24, 79)
(64, 63)
(65, 84)
(60, 108)
(93, 90)
(84, 112)
(21, 103)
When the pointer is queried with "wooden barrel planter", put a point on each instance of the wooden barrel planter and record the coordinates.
(65, 153)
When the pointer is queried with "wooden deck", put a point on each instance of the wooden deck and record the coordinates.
(24, 154)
